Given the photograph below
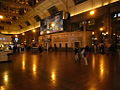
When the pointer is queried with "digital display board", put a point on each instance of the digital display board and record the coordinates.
(52, 24)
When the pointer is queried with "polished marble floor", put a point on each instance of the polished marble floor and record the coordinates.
(58, 71)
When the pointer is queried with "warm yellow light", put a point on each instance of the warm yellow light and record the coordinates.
(5, 77)
(23, 33)
(101, 29)
(92, 12)
(95, 38)
(1, 17)
(33, 40)
(34, 31)
(48, 32)
(114, 34)
(104, 34)
(52, 24)
(2, 88)
(53, 78)
(16, 35)
(93, 33)
(23, 64)
(41, 33)
(107, 33)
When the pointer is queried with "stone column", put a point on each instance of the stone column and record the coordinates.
(84, 33)
(107, 24)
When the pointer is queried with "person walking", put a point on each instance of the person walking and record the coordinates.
(84, 53)
(76, 51)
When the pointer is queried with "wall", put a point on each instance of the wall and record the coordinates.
(66, 37)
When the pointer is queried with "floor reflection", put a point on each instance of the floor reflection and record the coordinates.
(57, 71)
(93, 62)
(93, 88)
(2, 88)
(102, 68)
(53, 77)
(6, 78)
(34, 65)
(23, 62)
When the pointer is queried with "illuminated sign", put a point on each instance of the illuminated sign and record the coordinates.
(16, 39)
(2, 38)
(116, 15)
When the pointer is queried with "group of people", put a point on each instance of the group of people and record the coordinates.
(105, 48)
(18, 48)
(81, 54)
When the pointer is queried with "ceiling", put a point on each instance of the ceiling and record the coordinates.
(24, 15)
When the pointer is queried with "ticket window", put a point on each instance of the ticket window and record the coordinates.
(66, 45)
(60, 45)
(76, 44)
(55, 45)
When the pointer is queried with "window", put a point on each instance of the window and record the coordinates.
(3, 22)
(66, 45)
(21, 11)
(55, 45)
(53, 10)
(27, 23)
(37, 18)
(91, 25)
(76, 44)
(9, 22)
(20, 27)
(32, 2)
(6, 22)
(79, 1)
(1, 27)
(14, 18)
(60, 45)
(75, 26)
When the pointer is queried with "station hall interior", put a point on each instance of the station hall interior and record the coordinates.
(59, 44)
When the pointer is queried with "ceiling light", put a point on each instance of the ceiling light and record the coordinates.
(114, 34)
(52, 24)
(16, 36)
(101, 29)
(1, 17)
(34, 31)
(92, 12)
(23, 33)
(107, 33)
(41, 33)
(93, 33)
(48, 32)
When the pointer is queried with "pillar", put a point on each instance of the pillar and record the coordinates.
(84, 34)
